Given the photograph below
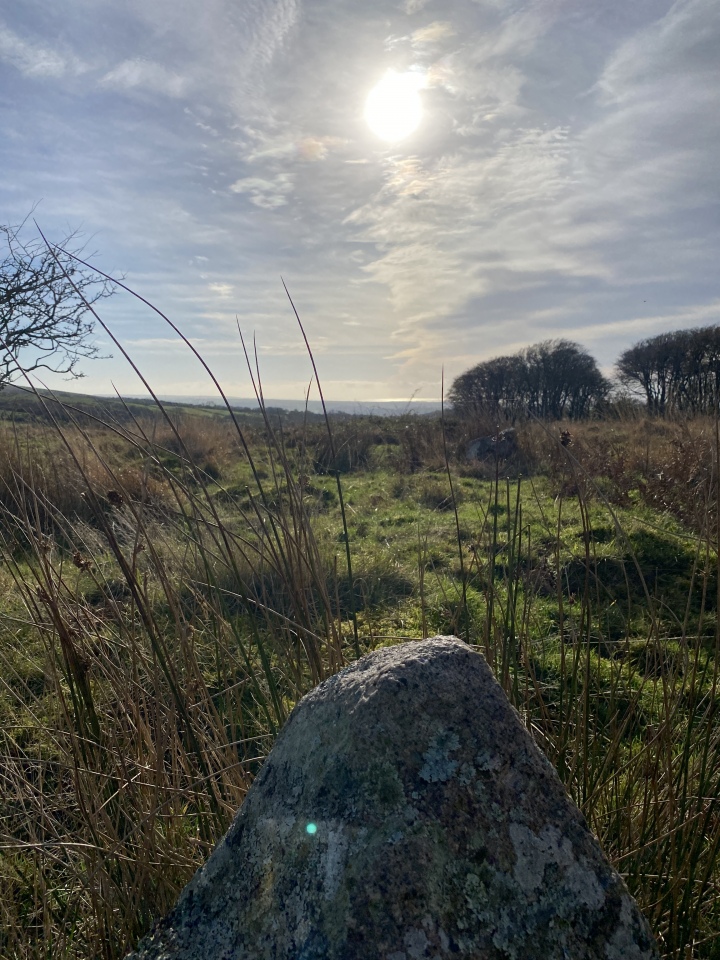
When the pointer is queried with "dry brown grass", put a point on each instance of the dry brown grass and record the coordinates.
(150, 651)
(670, 464)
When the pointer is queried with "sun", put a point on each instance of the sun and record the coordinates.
(393, 109)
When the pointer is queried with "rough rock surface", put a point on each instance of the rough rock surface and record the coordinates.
(404, 813)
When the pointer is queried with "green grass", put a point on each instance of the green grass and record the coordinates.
(172, 584)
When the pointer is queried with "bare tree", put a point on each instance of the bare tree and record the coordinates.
(44, 312)
(675, 372)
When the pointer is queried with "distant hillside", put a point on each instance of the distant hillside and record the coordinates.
(21, 404)
(377, 408)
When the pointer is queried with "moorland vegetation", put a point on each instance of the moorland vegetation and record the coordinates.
(173, 580)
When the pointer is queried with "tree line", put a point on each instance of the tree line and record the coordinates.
(676, 372)
(46, 314)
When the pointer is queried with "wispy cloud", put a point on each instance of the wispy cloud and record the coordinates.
(318, 148)
(675, 51)
(433, 33)
(468, 223)
(691, 315)
(36, 59)
(270, 147)
(222, 290)
(145, 75)
(268, 194)
(414, 6)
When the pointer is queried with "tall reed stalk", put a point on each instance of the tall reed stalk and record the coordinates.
(634, 734)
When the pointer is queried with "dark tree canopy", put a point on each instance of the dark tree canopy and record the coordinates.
(553, 379)
(676, 372)
(44, 319)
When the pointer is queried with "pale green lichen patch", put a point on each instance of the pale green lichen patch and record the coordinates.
(623, 944)
(534, 853)
(487, 761)
(440, 832)
(439, 766)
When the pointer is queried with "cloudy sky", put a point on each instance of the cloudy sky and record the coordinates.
(563, 181)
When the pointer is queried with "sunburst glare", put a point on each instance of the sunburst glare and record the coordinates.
(393, 109)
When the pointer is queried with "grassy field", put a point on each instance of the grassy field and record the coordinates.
(172, 582)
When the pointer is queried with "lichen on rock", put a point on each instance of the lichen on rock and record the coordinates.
(405, 813)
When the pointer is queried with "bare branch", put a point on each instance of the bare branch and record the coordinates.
(44, 317)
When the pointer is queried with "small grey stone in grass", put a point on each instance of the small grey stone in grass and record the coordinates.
(405, 813)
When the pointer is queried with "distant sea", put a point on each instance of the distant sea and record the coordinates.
(382, 408)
